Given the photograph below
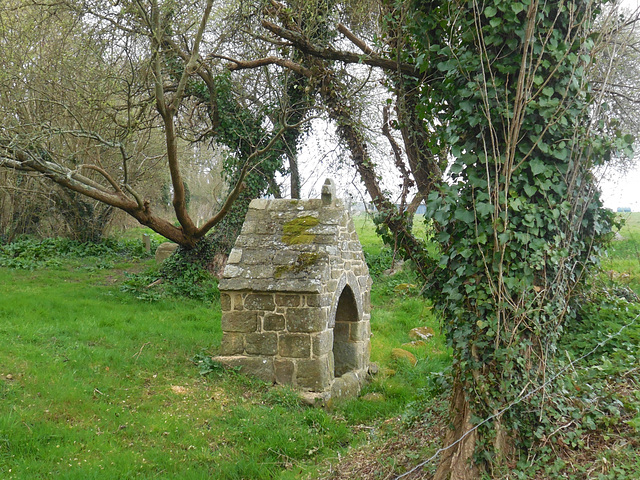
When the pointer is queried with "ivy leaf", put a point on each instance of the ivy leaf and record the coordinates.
(466, 105)
(490, 12)
(517, 7)
(562, 153)
(464, 216)
(483, 208)
(537, 166)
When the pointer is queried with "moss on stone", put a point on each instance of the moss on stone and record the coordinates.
(304, 261)
(295, 232)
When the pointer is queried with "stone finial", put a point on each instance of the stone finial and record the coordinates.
(328, 192)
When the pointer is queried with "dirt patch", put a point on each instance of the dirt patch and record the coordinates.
(395, 448)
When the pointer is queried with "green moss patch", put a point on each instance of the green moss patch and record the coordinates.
(304, 261)
(295, 232)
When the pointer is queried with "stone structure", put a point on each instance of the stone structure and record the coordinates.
(295, 297)
(165, 250)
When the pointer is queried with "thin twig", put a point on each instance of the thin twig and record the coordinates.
(137, 355)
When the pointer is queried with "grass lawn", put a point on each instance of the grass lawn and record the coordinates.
(95, 383)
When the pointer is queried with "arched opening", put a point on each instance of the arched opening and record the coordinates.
(345, 352)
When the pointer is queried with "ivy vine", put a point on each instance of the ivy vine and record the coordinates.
(520, 222)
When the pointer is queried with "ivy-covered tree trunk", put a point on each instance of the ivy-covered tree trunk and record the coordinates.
(521, 221)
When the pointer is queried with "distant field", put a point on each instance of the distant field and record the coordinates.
(622, 262)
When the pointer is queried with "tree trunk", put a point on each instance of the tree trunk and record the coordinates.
(457, 460)
(295, 175)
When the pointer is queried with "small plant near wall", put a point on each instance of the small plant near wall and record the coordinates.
(183, 274)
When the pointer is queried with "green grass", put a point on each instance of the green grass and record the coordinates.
(87, 376)
(622, 263)
(95, 383)
(371, 242)
(136, 234)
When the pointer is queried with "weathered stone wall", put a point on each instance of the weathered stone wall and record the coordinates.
(287, 330)
(295, 296)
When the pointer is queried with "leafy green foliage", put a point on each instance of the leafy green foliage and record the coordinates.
(29, 254)
(183, 274)
(592, 401)
(520, 223)
(207, 365)
(380, 261)
(243, 130)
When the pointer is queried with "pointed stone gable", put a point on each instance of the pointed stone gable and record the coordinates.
(296, 297)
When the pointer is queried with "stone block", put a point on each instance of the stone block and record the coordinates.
(232, 271)
(359, 331)
(366, 304)
(237, 303)
(259, 204)
(261, 343)
(317, 300)
(328, 192)
(332, 364)
(313, 374)
(225, 302)
(367, 354)
(273, 322)
(243, 322)
(259, 367)
(248, 227)
(306, 320)
(346, 356)
(285, 257)
(332, 216)
(322, 343)
(284, 370)
(332, 251)
(347, 386)
(235, 256)
(258, 257)
(232, 344)
(283, 300)
(354, 246)
(165, 250)
(293, 345)
(259, 301)
(324, 239)
(255, 241)
(324, 229)
(341, 330)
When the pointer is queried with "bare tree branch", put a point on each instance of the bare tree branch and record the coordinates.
(326, 53)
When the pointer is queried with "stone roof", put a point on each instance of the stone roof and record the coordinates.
(290, 246)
